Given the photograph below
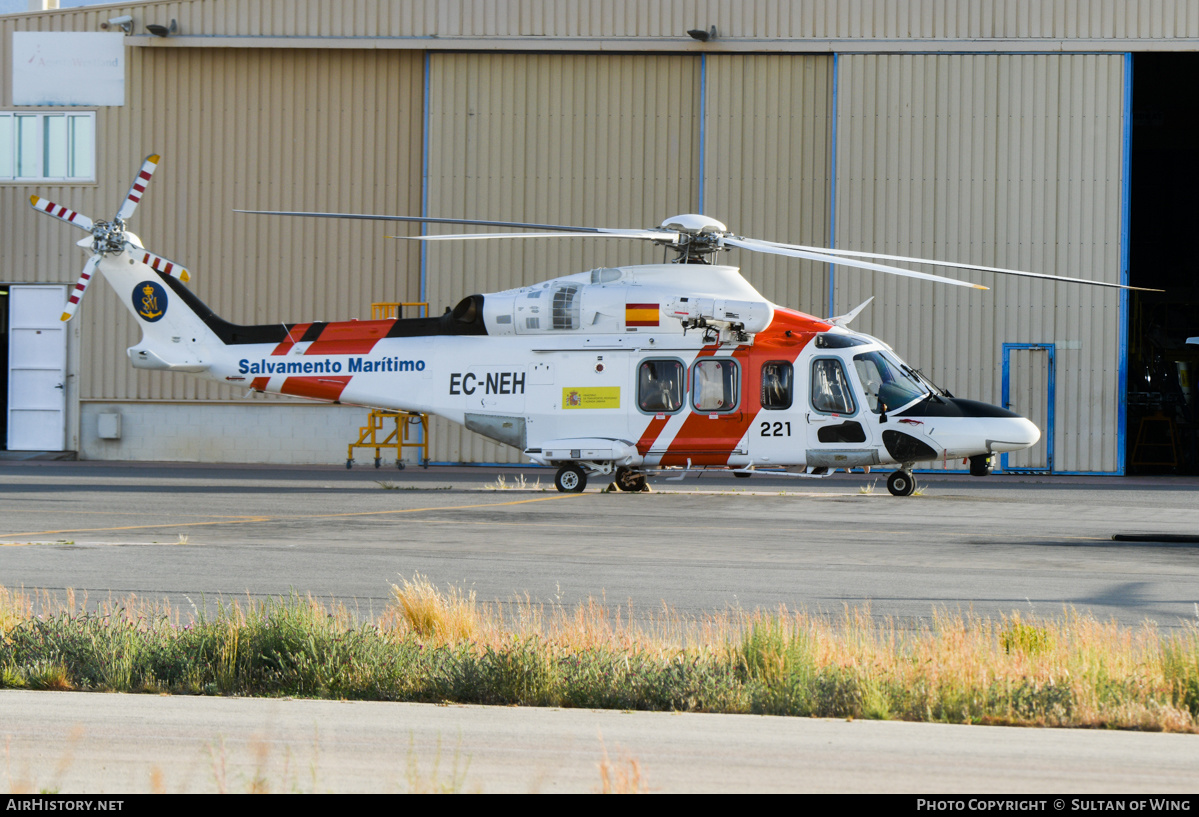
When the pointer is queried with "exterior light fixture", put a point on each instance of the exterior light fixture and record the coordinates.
(163, 31)
(701, 35)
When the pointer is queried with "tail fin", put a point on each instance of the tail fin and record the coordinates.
(180, 332)
(174, 337)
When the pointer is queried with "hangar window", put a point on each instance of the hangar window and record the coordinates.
(776, 385)
(47, 146)
(714, 386)
(660, 386)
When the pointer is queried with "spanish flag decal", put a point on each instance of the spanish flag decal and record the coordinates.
(640, 314)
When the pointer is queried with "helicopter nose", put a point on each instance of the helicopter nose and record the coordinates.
(1018, 433)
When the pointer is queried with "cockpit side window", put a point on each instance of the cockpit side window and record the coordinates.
(830, 388)
(777, 379)
(660, 386)
(885, 383)
(714, 386)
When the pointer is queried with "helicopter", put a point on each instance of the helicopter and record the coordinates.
(616, 372)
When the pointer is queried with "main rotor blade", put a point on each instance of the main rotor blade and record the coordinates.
(646, 235)
(62, 213)
(138, 188)
(435, 220)
(164, 265)
(76, 296)
(777, 249)
(954, 265)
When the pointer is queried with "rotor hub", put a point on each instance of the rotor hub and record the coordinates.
(108, 236)
(698, 237)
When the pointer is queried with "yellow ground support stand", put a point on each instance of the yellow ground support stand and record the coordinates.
(395, 309)
(405, 422)
(398, 438)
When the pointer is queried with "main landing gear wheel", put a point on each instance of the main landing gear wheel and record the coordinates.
(901, 483)
(570, 479)
(630, 480)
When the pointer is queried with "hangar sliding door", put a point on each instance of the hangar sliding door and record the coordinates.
(596, 140)
(1002, 160)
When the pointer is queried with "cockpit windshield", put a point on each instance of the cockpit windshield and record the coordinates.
(887, 383)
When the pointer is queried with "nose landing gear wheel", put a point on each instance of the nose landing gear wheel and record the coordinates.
(901, 483)
(570, 479)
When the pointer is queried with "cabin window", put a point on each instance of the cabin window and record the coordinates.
(777, 379)
(714, 386)
(660, 386)
(830, 388)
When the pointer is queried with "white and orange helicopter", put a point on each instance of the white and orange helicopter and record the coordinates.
(620, 371)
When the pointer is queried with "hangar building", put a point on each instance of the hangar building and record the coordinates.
(1055, 136)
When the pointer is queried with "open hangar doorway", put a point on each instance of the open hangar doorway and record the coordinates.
(1163, 402)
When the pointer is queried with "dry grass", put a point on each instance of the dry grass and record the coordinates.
(622, 776)
(443, 644)
(423, 610)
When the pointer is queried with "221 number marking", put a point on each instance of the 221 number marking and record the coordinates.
(777, 429)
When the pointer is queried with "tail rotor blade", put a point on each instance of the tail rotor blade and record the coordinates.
(89, 269)
(164, 265)
(138, 189)
(62, 213)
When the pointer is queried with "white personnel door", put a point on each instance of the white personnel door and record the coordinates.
(37, 368)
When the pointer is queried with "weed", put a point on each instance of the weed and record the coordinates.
(518, 484)
(1029, 639)
(440, 645)
(623, 776)
(387, 485)
(427, 613)
(867, 489)
(433, 782)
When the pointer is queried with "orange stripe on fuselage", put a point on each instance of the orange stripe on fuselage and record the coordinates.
(294, 333)
(342, 338)
(703, 440)
(317, 388)
(350, 338)
(710, 439)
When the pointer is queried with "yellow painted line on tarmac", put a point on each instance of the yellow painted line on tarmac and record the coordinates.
(250, 519)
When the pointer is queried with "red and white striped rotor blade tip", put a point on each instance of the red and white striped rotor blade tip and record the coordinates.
(165, 265)
(138, 188)
(89, 269)
(62, 213)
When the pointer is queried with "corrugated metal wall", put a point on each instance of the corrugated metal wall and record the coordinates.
(656, 24)
(1007, 161)
(768, 165)
(1002, 159)
(606, 140)
(265, 129)
(586, 140)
